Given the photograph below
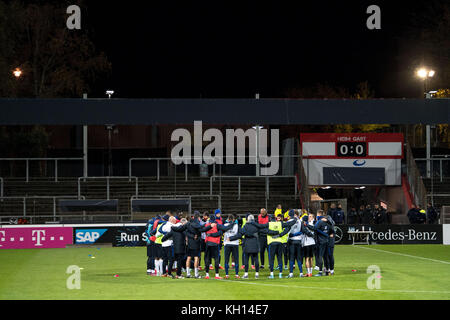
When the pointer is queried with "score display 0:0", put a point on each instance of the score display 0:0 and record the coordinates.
(351, 149)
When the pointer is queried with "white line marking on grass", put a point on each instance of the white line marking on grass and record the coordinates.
(403, 254)
(343, 289)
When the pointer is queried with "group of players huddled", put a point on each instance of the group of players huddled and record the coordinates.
(177, 243)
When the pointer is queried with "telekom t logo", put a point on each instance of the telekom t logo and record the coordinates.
(2, 236)
(38, 238)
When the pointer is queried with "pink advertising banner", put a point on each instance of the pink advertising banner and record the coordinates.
(35, 237)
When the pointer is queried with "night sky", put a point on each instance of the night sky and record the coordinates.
(233, 49)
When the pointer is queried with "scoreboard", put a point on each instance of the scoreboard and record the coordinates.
(352, 159)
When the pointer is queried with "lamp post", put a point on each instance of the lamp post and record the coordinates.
(110, 128)
(17, 73)
(425, 74)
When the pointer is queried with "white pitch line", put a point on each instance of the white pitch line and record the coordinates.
(403, 254)
(343, 289)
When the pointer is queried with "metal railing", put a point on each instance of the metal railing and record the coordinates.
(179, 197)
(158, 166)
(27, 164)
(220, 161)
(415, 181)
(25, 198)
(432, 196)
(267, 185)
(439, 170)
(107, 183)
(90, 218)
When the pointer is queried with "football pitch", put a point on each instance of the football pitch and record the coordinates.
(407, 272)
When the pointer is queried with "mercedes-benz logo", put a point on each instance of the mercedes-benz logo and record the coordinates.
(338, 234)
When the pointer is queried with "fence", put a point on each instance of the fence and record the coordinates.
(166, 166)
(189, 197)
(24, 203)
(107, 183)
(267, 185)
(28, 160)
(439, 167)
(414, 178)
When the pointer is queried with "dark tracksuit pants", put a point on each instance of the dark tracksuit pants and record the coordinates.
(231, 250)
(275, 249)
(316, 253)
(212, 252)
(262, 248)
(295, 254)
(286, 253)
(202, 249)
(322, 257)
(151, 255)
(168, 259)
(329, 258)
(254, 259)
(178, 257)
(243, 253)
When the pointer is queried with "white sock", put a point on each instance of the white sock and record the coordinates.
(245, 274)
(188, 271)
(256, 274)
(332, 271)
(217, 274)
(291, 274)
(196, 271)
(271, 273)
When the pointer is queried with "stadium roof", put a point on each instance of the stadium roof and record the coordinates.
(222, 111)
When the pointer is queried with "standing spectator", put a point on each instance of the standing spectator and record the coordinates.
(413, 214)
(332, 211)
(421, 216)
(360, 214)
(379, 214)
(352, 216)
(432, 214)
(367, 215)
(339, 215)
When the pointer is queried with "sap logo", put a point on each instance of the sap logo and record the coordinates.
(359, 164)
(88, 235)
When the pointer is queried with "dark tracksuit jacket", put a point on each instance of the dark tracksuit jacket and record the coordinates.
(380, 216)
(339, 216)
(329, 255)
(150, 245)
(179, 248)
(352, 217)
(262, 237)
(251, 231)
(251, 244)
(367, 216)
(322, 229)
(193, 231)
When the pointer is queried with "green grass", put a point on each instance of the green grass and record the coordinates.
(41, 274)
